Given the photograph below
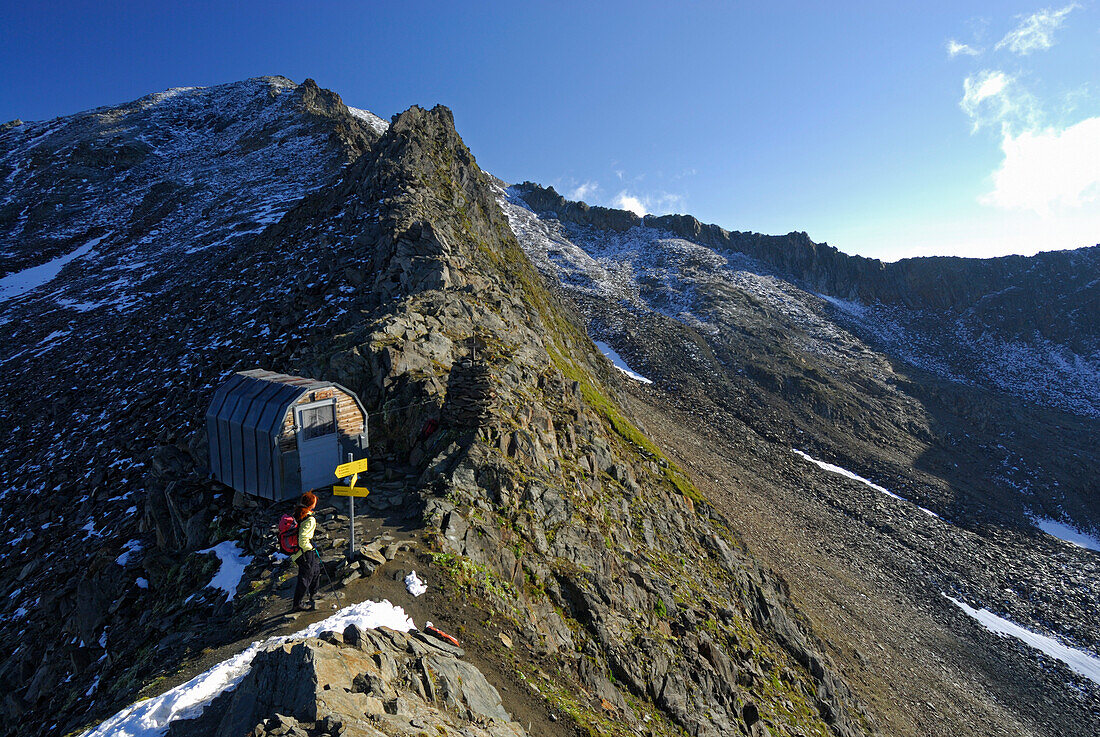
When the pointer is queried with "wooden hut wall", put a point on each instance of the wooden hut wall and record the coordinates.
(350, 422)
(349, 417)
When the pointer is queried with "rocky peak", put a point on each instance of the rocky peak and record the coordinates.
(538, 495)
(541, 480)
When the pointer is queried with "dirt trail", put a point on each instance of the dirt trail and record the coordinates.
(443, 604)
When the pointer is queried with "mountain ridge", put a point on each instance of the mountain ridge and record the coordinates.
(975, 434)
(936, 282)
(538, 497)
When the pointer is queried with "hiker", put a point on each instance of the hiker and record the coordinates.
(309, 560)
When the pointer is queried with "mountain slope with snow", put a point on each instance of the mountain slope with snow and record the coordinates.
(974, 427)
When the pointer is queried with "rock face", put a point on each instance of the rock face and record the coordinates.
(546, 489)
(356, 684)
(1053, 293)
(971, 428)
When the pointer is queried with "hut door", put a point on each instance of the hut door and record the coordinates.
(318, 447)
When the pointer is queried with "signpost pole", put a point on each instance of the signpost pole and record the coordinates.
(351, 471)
(351, 515)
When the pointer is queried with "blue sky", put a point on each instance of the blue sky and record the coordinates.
(963, 128)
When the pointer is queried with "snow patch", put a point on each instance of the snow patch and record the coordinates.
(851, 307)
(150, 718)
(21, 282)
(856, 477)
(131, 547)
(619, 363)
(1065, 532)
(414, 585)
(377, 124)
(1079, 661)
(233, 562)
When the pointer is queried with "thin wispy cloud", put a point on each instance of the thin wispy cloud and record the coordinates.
(1050, 166)
(583, 190)
(993, 98)
(648, 204)
(954, 48)
(1036, 31)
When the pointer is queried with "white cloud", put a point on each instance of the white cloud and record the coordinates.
(993, 97)
(1049, 169)
(583, 190)
(1045, 168)
(954, 48)
(649, 204)
(1045, 192)
(625, 201)
(986, 85)
(1035, 32)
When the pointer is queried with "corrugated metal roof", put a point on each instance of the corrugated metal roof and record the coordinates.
(244, 421)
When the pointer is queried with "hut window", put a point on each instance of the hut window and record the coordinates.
(318, 421)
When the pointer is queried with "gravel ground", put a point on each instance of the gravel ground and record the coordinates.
(857, 567)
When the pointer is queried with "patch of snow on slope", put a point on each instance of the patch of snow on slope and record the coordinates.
(231, 571)
(1079, 661)
(856, 477)
(131, 547)
(1039, 370)
(893, 328)
(21, 282)
(652, 269)
(377, 124)
(1067, 533)
(150, 718)
(960, 349)
(619, 363)
(215, 177)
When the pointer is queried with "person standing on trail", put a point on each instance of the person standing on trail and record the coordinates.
(309, 561)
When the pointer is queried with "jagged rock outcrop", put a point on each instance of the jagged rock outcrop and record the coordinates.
(398, 276)
(356, 683)
(584, 534)
(1055, 293)
(379, 257)
(972, 430)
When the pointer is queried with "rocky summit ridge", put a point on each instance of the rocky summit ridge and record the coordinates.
(401, 279)
(606, 571)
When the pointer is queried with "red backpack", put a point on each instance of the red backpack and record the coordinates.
(288, 534)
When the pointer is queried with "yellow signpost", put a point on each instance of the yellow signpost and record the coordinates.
(344, 470)
(351, 468)
(350, 491)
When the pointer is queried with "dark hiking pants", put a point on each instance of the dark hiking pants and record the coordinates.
(309, 576)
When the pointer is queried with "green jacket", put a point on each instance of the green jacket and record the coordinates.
(306, 528)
